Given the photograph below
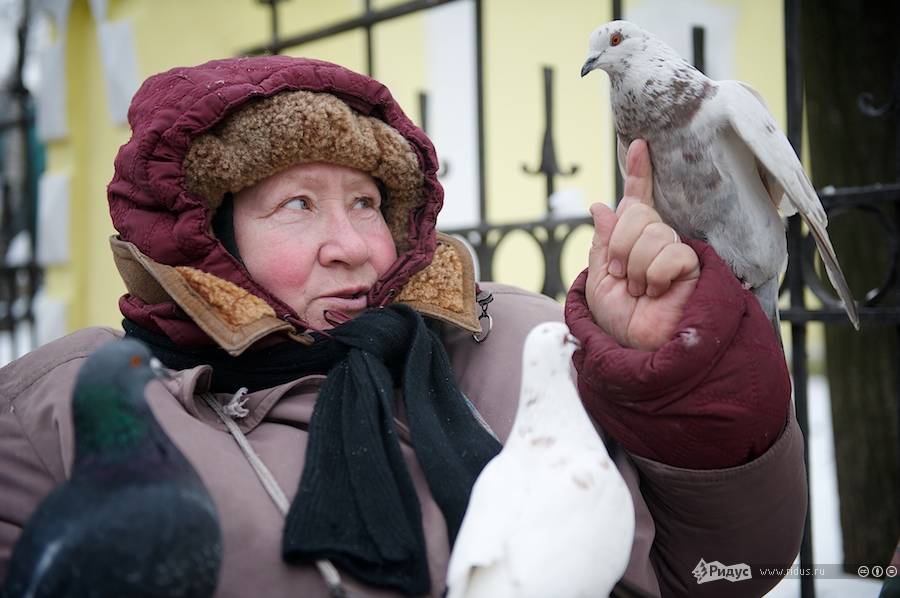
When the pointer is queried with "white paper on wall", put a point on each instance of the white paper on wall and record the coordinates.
(98, 10)
(120, 70)
(50, 100)
(51, 97)
(50, 318)
(53, 219)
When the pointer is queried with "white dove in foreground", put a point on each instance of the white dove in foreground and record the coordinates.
(721, 165)
(550, 515)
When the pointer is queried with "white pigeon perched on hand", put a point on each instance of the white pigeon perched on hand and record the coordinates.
(721, 165)
(550, 515)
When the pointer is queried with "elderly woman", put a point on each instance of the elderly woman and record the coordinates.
(276, 221)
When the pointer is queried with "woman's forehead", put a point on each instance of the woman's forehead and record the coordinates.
(312, 174)
(322, 172)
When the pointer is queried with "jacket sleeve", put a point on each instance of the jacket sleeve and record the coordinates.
(747, 518)
(36, 436)
(716, 395)
(25, 474)
(24, 481)
(709, 425)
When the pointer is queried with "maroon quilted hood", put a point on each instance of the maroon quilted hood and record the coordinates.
(153, 210)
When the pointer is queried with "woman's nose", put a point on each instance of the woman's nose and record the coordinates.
(342, 241)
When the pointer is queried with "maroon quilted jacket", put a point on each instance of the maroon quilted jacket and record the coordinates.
(716, 395)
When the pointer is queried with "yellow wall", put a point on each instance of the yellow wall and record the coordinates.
(86, 286)
(521, 37)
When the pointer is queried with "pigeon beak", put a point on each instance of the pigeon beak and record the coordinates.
(589, 64)
(159, 369)
(571, 340)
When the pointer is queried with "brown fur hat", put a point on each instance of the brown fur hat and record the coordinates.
(293, 127)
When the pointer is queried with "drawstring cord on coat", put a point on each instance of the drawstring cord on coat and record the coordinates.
(235, 408)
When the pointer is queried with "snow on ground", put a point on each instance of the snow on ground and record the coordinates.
(826, 526)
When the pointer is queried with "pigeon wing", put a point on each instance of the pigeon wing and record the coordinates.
(44, 544)
(621, 153)
(483, 541)
(115, 542)
(582, 541)
(782, 173)
(554, 530)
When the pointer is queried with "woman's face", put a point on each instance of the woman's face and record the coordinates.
(314, 236)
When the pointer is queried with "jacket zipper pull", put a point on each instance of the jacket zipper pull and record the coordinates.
(483, 298)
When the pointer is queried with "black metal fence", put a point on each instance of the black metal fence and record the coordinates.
(20, 162)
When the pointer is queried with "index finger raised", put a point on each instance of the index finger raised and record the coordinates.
(638, 175)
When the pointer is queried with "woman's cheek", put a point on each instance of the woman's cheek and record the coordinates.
(280, 265)
(383, 252)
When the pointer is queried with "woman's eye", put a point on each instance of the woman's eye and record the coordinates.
(298, 203)
(365, 202)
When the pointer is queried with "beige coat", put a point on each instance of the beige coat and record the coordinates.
(757, 507)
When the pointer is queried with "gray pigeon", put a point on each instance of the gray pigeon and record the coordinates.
(550, 515)
(721, 165)
(134, 519)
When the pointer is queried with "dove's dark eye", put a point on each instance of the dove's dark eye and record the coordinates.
(136, 361)
(615, 39)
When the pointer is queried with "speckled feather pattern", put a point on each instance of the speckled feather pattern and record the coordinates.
(721, 166)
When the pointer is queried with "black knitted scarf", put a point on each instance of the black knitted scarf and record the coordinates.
(356, 503)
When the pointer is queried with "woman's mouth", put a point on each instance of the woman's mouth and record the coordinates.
(348, 300)
(349, 295)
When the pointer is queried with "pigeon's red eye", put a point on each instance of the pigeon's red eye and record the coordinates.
(136, 361)
(615, 39)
